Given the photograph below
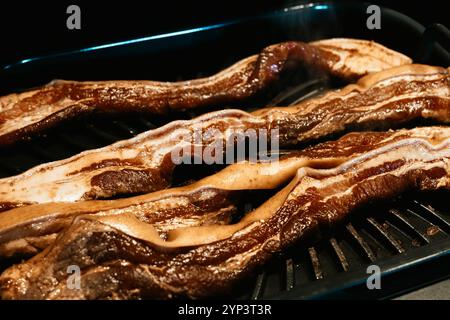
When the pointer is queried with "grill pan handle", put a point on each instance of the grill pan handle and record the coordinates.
(435, 38)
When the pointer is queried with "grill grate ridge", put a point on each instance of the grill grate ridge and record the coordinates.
(396, 223)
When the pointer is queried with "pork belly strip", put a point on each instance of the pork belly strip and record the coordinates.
(144, 163)
(121, 257)
(165, 210)
(28, 230)
(23, 114)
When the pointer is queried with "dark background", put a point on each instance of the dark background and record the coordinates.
(30, 29)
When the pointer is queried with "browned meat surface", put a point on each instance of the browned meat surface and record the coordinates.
(23, 114)
(144, 163)
(29, 229)
(123, 257)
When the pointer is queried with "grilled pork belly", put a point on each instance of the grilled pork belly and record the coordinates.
(122, 257)
(145, 164)
(212, 200)
(23, 114)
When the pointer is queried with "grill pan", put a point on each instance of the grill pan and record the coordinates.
(407, 237)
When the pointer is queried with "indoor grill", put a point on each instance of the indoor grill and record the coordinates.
(408, 237)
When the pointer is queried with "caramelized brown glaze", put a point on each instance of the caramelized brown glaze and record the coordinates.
(23, 114)
(34, 229)
(143, 163)
(194, 204)
(125, 258)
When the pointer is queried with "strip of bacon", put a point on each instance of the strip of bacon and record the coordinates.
(21, 115)
(121, 257)
(28, 230)
(145, 164)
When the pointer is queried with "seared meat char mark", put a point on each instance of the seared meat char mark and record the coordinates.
(125, 258)
(22, 115)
